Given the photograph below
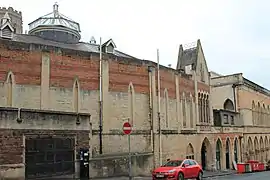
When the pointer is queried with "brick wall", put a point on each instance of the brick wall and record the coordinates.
(17, 125)
(12, 145)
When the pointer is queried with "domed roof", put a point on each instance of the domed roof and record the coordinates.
(55, 18)
(56, 26)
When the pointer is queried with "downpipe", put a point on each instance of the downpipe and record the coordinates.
(100, 100)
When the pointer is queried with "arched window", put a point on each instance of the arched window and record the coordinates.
(259, 114)
(190, 152)
(263, 115)
(253, 112)
(76, 90)
(203, 108)
(131, 103)
(228, 105)
(191, 111)
(184, 110)
(166, 101)
(9, 89)
(200, 106)
(207, 109)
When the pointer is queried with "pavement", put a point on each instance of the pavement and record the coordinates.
(207, 175)
(249, 176)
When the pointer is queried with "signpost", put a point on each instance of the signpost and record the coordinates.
(127, 129)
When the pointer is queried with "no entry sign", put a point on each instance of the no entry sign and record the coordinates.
(127, 128)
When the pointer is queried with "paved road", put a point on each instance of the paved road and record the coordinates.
(250, 176)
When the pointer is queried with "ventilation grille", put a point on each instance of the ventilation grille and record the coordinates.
(6, 33)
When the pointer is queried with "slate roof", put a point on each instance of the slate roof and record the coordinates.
(81, 46)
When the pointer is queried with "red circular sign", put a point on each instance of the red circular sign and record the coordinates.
(127, 128)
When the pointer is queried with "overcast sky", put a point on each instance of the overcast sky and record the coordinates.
(234, 34)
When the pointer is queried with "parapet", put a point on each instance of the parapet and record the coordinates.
(10, 10)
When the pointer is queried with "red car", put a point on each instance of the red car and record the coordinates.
(178, 170)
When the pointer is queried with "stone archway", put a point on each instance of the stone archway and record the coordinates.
(206, 154)
(250, 149)
(261, 150)
(257, 148)
(227, 153)
(218, 154)
(190, 152)
(235, 151)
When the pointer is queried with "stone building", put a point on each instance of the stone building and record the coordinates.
(15, 18)
(50, 71)
(242, 107)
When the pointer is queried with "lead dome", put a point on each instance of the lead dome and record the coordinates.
(56, 26)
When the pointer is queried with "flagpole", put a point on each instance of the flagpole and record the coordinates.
(159, 123)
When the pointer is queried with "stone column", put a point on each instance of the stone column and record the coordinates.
(45, 80)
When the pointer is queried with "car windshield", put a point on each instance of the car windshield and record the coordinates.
(173, 163)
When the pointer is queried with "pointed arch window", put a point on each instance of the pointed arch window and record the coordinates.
(263, 115)
(191, 111)
(166, 102)
(131, 101)
(200, 107)
(259, 114)
(203, 108)
(207, 109)
(253, 112)
(76, 90)
(10, 89)
(184, 110)
(202, 72)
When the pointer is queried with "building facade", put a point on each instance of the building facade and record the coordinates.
(243, 106)
(50, 70)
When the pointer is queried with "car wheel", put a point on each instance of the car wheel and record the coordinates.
(180, 176)
(200, 176)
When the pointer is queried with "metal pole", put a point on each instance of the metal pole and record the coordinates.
(159, 123)
(129, 159)
(100, 98)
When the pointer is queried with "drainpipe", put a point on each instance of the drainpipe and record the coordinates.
(151, 108)
(234, 96)
(100, 99)
(159, 123)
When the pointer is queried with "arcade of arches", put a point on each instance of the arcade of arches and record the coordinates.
(222, 152)
(257, 148)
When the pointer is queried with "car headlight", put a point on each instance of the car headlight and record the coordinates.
(171, 171)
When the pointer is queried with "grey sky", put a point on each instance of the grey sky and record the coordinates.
(234, 34)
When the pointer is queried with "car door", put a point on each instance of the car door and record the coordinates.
(193, 169)
(186, 169)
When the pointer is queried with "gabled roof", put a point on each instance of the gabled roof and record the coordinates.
(188, 56)
(7, 24)
(107, 43)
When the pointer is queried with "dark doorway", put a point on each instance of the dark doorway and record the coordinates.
(235, 151)
(48, 157)
(227, 154)
(218, 154)
(203, 156)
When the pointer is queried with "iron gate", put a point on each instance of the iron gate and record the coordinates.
(49, 156)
